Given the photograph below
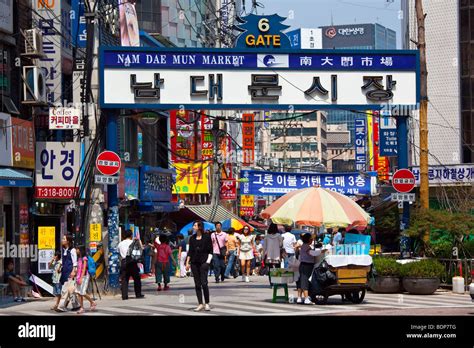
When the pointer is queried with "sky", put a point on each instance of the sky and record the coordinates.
(316, 13)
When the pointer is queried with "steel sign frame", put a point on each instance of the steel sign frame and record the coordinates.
(105, 63)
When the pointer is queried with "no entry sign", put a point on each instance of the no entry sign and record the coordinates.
(403, 180)
(108, 163)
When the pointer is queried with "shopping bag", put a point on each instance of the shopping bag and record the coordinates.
(141, 268)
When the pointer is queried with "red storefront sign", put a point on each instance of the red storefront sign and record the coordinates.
(23, 143)
(248, 139)
(381, 164)
(183, 141)
(207, 145)
(247, 211)
(228, 190)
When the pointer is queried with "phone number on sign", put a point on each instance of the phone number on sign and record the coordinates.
(55, 192)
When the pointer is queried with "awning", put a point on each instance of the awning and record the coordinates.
(211, 213)
(13, 178)
(258, 225)
(157, 207)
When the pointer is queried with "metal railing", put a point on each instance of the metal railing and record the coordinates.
(453, 268)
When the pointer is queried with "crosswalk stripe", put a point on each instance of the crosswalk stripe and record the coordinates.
(431, 299)
(173, 310)
(251, 308)
(119, 310)
(148, 309)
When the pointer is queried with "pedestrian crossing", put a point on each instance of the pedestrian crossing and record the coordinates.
(264, 307)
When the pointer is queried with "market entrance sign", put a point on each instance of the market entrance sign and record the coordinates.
(174, 78)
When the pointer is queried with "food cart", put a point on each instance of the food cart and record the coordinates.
(346, 275)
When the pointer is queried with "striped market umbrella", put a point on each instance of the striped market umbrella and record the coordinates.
(236, 224)
(316, 206)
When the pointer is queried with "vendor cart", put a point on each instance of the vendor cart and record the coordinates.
(349, 280)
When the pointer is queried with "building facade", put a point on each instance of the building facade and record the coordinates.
(358, 36)
(341, 151)
(444, 32)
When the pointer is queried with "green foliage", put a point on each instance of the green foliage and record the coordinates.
(386, 267)
(389, 221)
(442, 228)
(428, 268)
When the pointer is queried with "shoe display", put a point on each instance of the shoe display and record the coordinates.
(207, 308)
(199, 308)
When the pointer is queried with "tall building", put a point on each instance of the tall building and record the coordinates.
(297, 144)
(359, 36)
(341, 153)
(450, 91)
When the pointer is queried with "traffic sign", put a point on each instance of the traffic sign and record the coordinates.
(403, 197)
(106, 179)
(108, 163)
(403, 180)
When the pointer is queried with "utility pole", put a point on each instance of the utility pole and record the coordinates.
(424, 184)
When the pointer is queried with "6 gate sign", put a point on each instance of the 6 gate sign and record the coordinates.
(403, 180)
(108, 163)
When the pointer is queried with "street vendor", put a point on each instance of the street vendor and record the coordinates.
(309, 257)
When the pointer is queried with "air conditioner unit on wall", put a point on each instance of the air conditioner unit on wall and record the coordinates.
(34, 86)
(33, 43)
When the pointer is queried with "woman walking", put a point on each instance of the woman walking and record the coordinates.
(245, 250)
(82, 280)
(68, 268)
(272, 245)
(198, 259)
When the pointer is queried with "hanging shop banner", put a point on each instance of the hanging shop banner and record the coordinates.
(46, 237)
(79, 25)
(247, 201)
(191, 178)
(95, 232)
(225, 157)
(360, 142)
(247, 211)
(462, 174)
(228, 190)
(370, 142)
(128, 183)
(155, 184)
(129, 29)
(47, 17)
(173, 78)
(277, 184)
(381, 163)
(44, 258)
(207, 145)
(183, 143)
(57, 168)
(5, 140)
(388, 136)
(248, 139)
(23, 143)
(64, 118)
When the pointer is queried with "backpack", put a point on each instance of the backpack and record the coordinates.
(91, 266)
(135, 252)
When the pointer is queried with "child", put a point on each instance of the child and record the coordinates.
(55, 265)
(15, 281)
(82, 280)
(162, 268)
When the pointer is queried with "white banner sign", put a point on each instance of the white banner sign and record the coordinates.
(57, 168)
(44, 257)
(244, 88)
(462, 174)
(403, 197)
(64, 118)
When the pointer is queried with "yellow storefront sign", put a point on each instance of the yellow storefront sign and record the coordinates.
(191, 178)
(247, 201)
(95, 232)
(46, 237)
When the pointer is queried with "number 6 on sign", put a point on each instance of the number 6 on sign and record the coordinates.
(263, 25)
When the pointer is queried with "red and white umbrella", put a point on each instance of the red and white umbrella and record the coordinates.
(316, 206)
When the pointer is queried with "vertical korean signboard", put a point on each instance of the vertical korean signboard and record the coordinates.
(247, 205)
(79, 28)
(57, 168)
(47, 17)
(206, 138)
(381, 163)
(23, 143)
(248, 139)
(183, 142)
(388, 136)
(360, 142)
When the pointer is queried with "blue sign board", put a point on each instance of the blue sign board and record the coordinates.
(320, 60)
(388, 136)
(262, 32)
(131, 182)
(359, 239)
(360, 142)
(295, 38)
(155, 184)
(79, 26)
(278, 184)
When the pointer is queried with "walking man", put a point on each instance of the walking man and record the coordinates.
(129, 267)
(219, 241)
(231, 253)
(289, 243)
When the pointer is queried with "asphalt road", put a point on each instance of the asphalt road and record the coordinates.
(235, 298)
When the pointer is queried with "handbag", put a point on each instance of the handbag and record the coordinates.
(222, 250)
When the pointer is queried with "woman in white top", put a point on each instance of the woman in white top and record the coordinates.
(245, 248)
